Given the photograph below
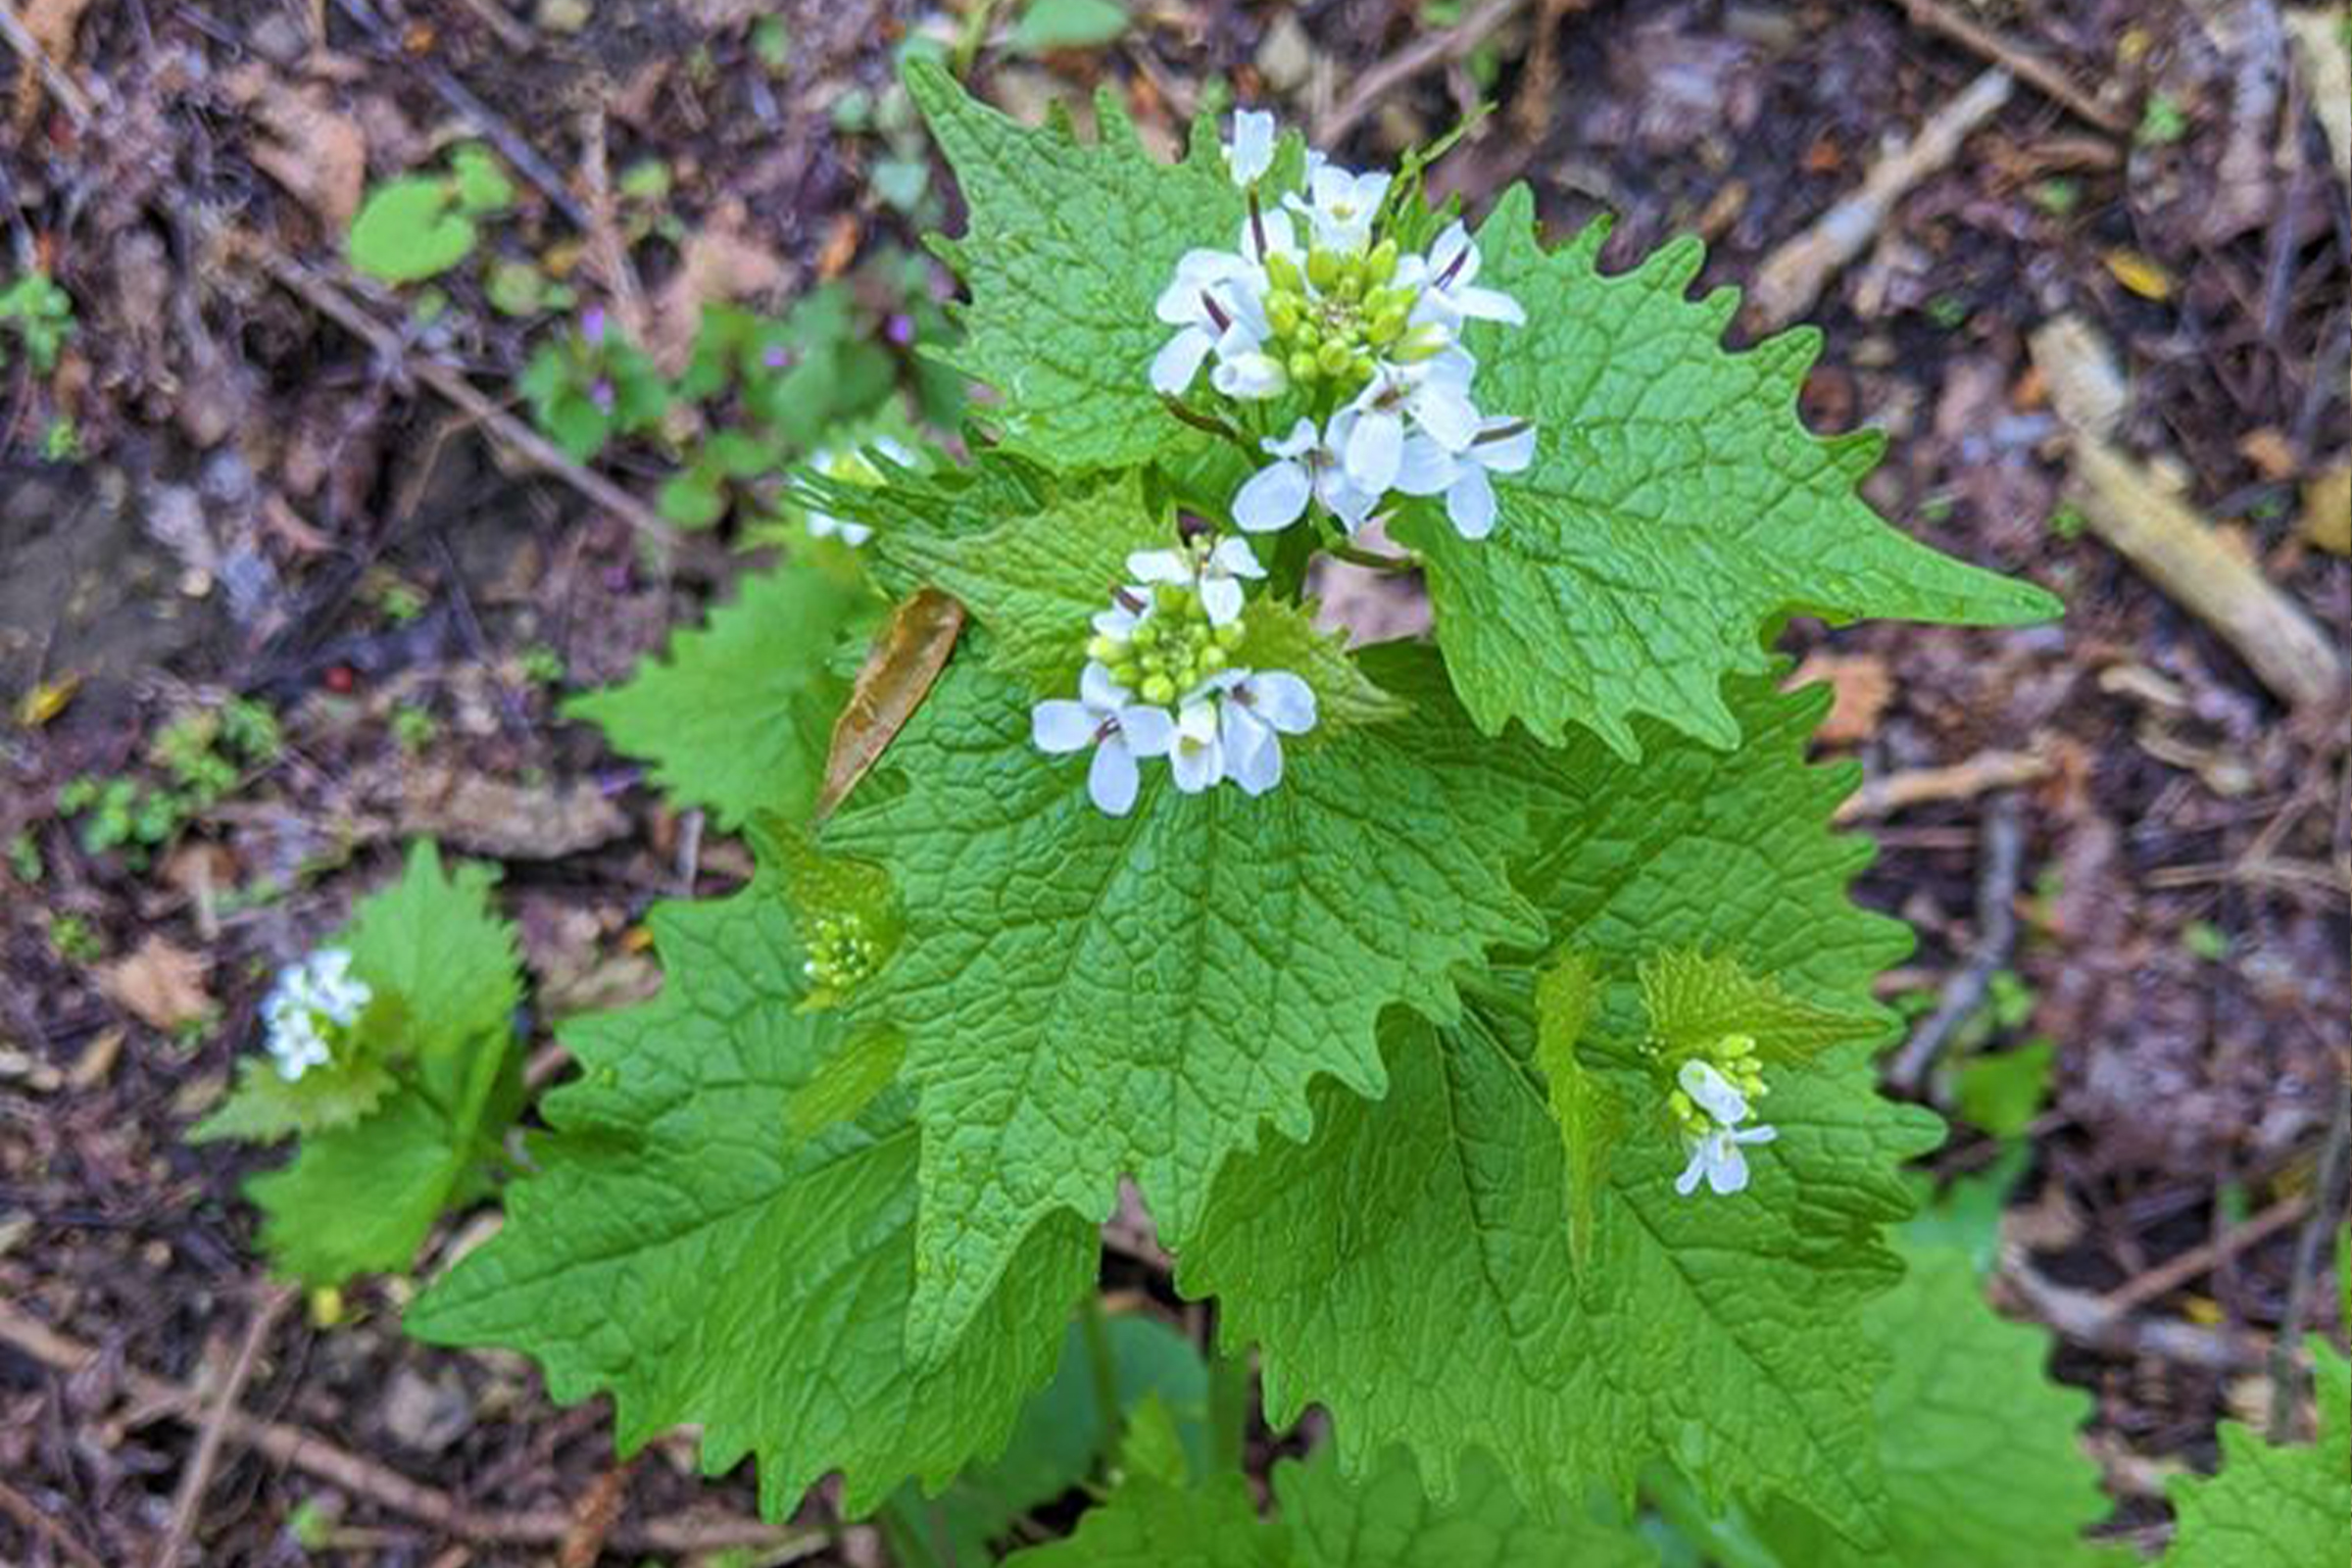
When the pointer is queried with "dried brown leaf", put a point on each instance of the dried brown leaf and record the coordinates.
(908, 656)
(161, 984)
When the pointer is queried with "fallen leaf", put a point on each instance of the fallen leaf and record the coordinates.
(46, 700)
(718, 263)
(908, 656)
(161, 984)
(2270, 451)
(1860, 688)
(315, 151)
(509, 821)
(2136, 272)
(2328, 511)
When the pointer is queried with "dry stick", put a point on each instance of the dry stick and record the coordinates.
(2326, 1204)
(188, 1502)
(2082, 1317)
(386, 1488)
(2173, 1272)
(1793, 277)
(2004, 845)
(1442, 47)
(24, 1511)
(2019, 61)
(1980, 775)
(60, 81)
(330, 301)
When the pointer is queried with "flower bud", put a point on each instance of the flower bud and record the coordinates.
(1159, 689)
(1381, 265)
(1301, 367)
(1104, 650)
(1323, 269)
(1212, 658)
(1230, 635)
(1386, 328)
(1282, 311)
(1335, 359)
(1284, 273)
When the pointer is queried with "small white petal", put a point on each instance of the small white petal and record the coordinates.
(1375, 451)
(1059, 726)
(1251, 152)
(1252, 376)
(1470, 503)
(1726, 1167)
(1252, 752)
(1444, 409)
(1301, 440)
(1506, 453)
(1427, 467)
(1688, 1182)
(1196, 759)
(1179, 360)
(1233, 557)
(1488, 305)
(1272, 498)
(1148, 731)
(1712, 1092)
(1284, 700)
(1221, 597)
(1102, 695)
(1160, 565)
(1117, 621)
(1110, 779)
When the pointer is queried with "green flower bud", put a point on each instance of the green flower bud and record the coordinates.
(1301, 367)
(1381, 265)
(1386, 328)
(1230, 635)
(1104, 650)
(1335, 359)
(1323, 269)
(1145, 634)
(1159, 689)
(1212, 658)
(1424, 342)
(1282, 311)
(1283, 272)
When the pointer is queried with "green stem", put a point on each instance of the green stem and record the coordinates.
(1395, 565)
(1231, 1394)
(1100, 1361)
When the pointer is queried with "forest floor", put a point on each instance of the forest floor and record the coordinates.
(2124, 840)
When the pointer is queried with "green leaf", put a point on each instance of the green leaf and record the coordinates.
(482, 186)
(1981, 1448)
(1591, 1118)
(1277, 636)
(2275, 1506)
(1085, 997)
(1387, 1521)
(845, 1083)
(1055, 1443)
(737, 715)
(1049, 25)
(2003, 1092)
(1676, 504)
(1037, 578)
(1694, 999)
(1066, 251)
(434, 943)
(679, 1249)
(1149, 1524)
(409, 229)
(1409, 1267)
(263, 1107)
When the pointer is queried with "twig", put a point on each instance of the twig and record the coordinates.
(2004, 845)
(1793, 277)
(387, 1489)
(594, 1516)
(24, 1511)
(56, 77)
(323, 296)
(1442, 47)
(2019, 61)
(2173, 1272)
(2325, 1206)
(1980, 775)
(604, 244)
(187, 1503)
(514, 34)
(2082, 1317)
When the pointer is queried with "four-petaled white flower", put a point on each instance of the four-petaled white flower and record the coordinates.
(1215, 576)
(1449, 291)
(1251, 153)
(1257, 707)
(1715, 1155)
(1196, 754)
(1120, 729)
(1433, 394)
(1341, 205)
(1501, 446)
(1202, 302)
(309, 997)
(1307, 466)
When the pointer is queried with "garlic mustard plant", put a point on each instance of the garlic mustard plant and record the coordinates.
(1418, 989)
(314, 1004)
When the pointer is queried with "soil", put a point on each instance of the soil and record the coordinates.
(264, 505)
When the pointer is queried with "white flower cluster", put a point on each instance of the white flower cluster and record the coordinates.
(1711, 1108)
(1364, 336)
(312, 1003)
(1160, 681)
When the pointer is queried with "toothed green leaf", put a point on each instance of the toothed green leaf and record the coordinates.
(680, 1247)
(1387, 1520)
(2273, 1505)
(1085, 997)
(1675, 504)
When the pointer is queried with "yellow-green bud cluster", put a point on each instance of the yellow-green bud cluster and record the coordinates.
(1734, 1057)
(1336, 315)
(1171, 650)
(841, 957)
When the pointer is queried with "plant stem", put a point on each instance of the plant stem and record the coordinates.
(1367, 559)
(1231, 1392)
(1098, 1360)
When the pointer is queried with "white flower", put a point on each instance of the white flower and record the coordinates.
(1712, 1093)
(1215, 576)
(1197, 757)
(321, 987)
(1131, 607)
(1119, 729)
(1501, 446)
(1343, 206)
(1717, 1158)
(1258, 708)
(1449, 288)
(1199, 302)
(1251, 153)
(1307, 467)
(1433, 393)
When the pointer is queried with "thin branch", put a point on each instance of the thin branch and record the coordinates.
(1980, 775)
(24, 1511)
(1440, 48)
(305, 1451)
(187, 1503)
(2004, 845)
(2019, 61)
(2173, 1272)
